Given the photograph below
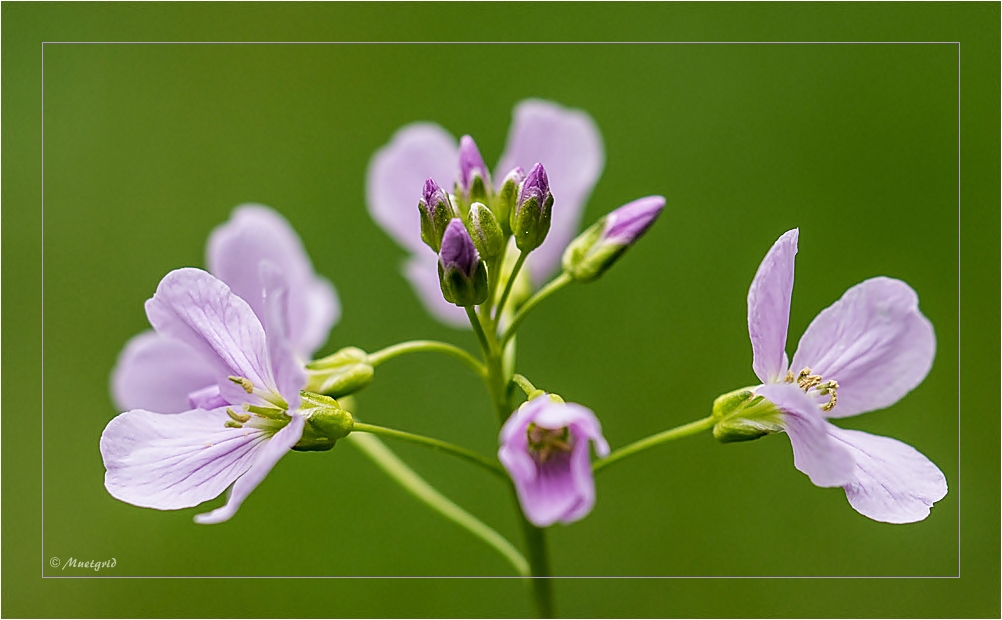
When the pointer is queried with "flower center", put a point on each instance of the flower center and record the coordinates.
(544, 443)
(808, 382)
(272, 416)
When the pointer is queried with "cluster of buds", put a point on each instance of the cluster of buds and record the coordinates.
(470, 229)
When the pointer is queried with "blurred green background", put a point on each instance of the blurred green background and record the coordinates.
(148, 147)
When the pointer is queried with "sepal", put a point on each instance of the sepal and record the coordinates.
(326, 422)
(742, 415)
(340, 374)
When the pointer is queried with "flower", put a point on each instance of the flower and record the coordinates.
(566, 141)
(545, 448)
(166, 375)
(249, 417)
(596, 249)
(864, 352)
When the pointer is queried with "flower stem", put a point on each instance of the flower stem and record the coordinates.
(525, 384)
(417, 346)
(477, 327)
(435, 444)
(383, 457)
(511, 284)
(551, 287)
(678, 432)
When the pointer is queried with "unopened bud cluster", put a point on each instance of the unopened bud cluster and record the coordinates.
(470, 229)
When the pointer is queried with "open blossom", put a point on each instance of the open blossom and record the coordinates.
(166, 375)
(864, 352)
(545, 446)
(244, 422)
(566, 141)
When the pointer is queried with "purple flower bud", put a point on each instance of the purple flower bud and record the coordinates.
(432, 196)
(461, 273)
(436, 211)
(545, 448)
(458, 251)
(536, 185)
(628, 223)
(530, 220)
(596, 249)
(471, 165)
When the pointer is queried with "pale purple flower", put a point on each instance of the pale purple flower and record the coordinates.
(545, 446)
(566, 141)
(247, 423)
(864, 352)
(165, 375)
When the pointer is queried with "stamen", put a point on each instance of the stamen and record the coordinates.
(238, 417)
(789, 377)
(545, 442)
(831, 389)
(807, 381)
(243, 382)
(266, 412)
(232, 424)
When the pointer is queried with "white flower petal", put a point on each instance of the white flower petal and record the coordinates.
(894, 482)
(179, 460)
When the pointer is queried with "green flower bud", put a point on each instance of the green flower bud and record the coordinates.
(742, 415)
(326, 422)
(504, 201)
(530, 220)
(485, 231)
(340, 374)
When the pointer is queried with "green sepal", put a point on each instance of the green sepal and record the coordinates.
(504, 204)
(326, 422)
(340, 374)
(461, 290)
(485, 231)
(742, 415)
(530, 223)
(585, 258)
(433, 226)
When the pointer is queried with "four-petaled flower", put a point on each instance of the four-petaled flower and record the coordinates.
(566, 141)
(545, 446)
(166, 375)
(248, 418)
(864, 352)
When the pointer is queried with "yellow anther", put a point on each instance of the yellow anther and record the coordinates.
(789, 377)
(233, 424)
(244, 383)
(237, 417)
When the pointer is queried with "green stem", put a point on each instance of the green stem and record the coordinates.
(383, 457)
(435, 444)
(535, 538)
(525, 384)
(417, 346)
(477, 327)
(678, 432)
(553, 286)
(511, 283)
